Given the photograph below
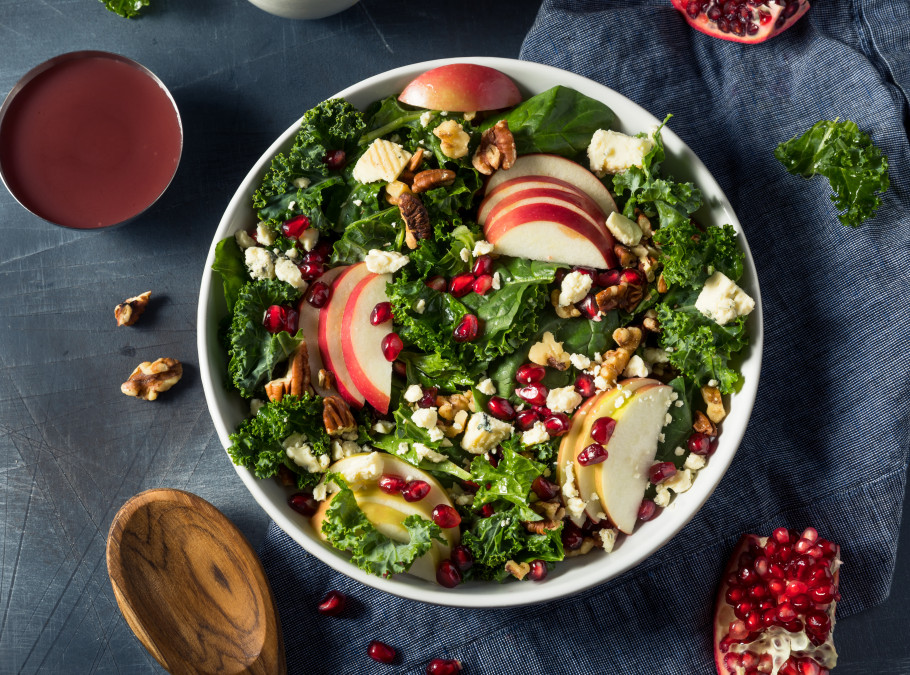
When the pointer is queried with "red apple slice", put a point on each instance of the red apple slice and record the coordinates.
(330, 317)
(557, 167)
(361, 342)
(461, 87)
(522, 183)
(309, 324)
(574, 201)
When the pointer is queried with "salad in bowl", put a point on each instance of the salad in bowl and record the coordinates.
(469, 334)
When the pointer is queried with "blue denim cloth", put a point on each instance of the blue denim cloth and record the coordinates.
(827, 444)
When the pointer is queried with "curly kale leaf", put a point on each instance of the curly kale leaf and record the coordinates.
(508, 481)
(690, 255)
(257, 443)
(346, 527)
(254, 352)
(856, 169)
(128, 9)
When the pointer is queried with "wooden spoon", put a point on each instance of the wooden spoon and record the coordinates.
(191, 587)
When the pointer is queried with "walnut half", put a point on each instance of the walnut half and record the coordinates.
(496, 149)
(151, 378)
(128, 312)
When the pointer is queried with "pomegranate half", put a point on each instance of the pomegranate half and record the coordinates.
(775, 608)
(748, 21)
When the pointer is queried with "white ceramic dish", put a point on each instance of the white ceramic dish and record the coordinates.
(571, 576)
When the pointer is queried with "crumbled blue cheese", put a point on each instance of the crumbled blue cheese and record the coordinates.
(722, 300)
(385, 262)
(301, 453)
(243, 239)
(497, 281)
(259, 263)
(483, 433)
(680, 481)
(575, 287)
(436, 435)
(694, 462)
(624, 229)
(383, 160)
(536, 434)
(636, 367)
(580, 361)
(383, 427)
(482, 247)
(563, 399)
(289, 273)
(308, 238)
(301, 182)
(265, 235)
(465, 254)
(256, 405)
(421, 306)
(342, 449)
(461, 419)
(413, 393)
(663, 496)
(362, 470)
(425, 418)
(614, 152)
(655, 355)
(459, 496)
(424, 452)
(486, 387)
(608, 538)
(426, 118)
(575, 506)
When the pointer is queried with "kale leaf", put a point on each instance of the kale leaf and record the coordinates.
(856, 169)
(690, 255)
(510, 481)
(128, 9)
(230, 266)
(377, 231)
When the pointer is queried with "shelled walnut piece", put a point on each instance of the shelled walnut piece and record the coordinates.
(496, 150)
(128, 312)
(518, 570)
(715, 403)
(616, 360)
(297, 379)
(151, 378)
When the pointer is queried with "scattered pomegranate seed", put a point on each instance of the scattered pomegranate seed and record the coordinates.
(572, 536)
(538, 571)
(500, 408)
(437, 283)
(525, 419)
(461, 285)
(584, 385)
(311, 270)
(632, 277)
(661, 471)
(462, 558)
(557, 424)
(647, 510)
(587, 271)
(316, 255)
(443, 667)
(482, 284)
(293, 228)
(391, 346)
(318, 294)
(534, 393)
(607, 278)
(467, 330)
(494, 456)
(560, 275)
(428, 400)
(303, 503)
(486, 511)
(699, 444)
(544, 489)
(471, 487)
(593, 454)
(333, 603)
(400, 369)
(446, 516)
(447, 574)
(415, 490)
(381, 313)
(391, 483)
(542, 410)
(589, 307)
(380, 651)
(530, 373)
(275, 319)
(482, 265)
(335, 159)
(602, 429)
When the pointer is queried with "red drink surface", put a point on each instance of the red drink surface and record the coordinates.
(90, 142)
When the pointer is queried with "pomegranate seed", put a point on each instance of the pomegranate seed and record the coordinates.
(462, 558)
(311, 270)
(461, 285)
(316, 256)
(593, 454)
(761, 566)
(758, 592)
(415, 490)
(602, 429)
(769, 617)
(544, 489)
(795, 588)
(486, 511)
(381, 313)
(589, 307)
(428, 400)
(530, 373)
(443, 667)
(661, 471)
(572, 536)
(699, 444)
(560, 275)
(822, 595)
(781, 535)
(534, 393)
(742, 610)
(500, 408)
(607, 278)
(482, 265)
(809, 667)
(380, 651)
(647, 510)
(733, 662)
(467, 330)
(538, 571)
(584, 385)
(785, 612)
(294, 227)
(303, 503)
(753, 622)
(482, 284)
(318, 294)
(633, 277)
(335, 159)
(817, 621)
(542, 410)
(447, 574)
(750, 660)
(276, 319)
(391, 483)
(735, 595)
(446, 516)
(391, 346)
(738, 630)
(557, 424)
(526, 419)
(437, 283)
(801, 602)
(332, 604)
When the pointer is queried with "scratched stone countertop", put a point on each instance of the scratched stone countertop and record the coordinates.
(73, 449)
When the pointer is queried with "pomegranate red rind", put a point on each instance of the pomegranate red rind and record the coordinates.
(775, 608)
(746, 21)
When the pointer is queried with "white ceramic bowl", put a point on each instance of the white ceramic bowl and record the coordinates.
(304, 9)
(571, 576)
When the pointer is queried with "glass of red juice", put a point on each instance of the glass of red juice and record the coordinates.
(89, 139)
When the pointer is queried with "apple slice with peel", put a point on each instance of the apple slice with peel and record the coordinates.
(387, 512)
(361, 341)
(330, 317)
(551, 232)
(309, 324)
(461, 87)
(522, 183)
(554, 166)
(574, 201)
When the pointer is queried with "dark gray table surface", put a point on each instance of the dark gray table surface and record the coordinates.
(73, 449)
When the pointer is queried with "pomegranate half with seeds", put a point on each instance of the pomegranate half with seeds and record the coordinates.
(748, 21)
(775, 608)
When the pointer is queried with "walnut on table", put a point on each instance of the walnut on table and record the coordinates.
(151, 378)
(128, 312)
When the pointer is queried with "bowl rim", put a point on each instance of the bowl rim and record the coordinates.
(580, 573)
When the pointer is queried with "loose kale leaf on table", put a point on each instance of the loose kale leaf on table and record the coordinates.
(128, 9)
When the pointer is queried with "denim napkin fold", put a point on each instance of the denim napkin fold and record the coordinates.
(827, 444)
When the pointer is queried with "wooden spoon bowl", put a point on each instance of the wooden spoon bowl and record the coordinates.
(191, 587)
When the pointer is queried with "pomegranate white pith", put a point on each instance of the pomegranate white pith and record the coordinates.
(747, 21)
(775, 608)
